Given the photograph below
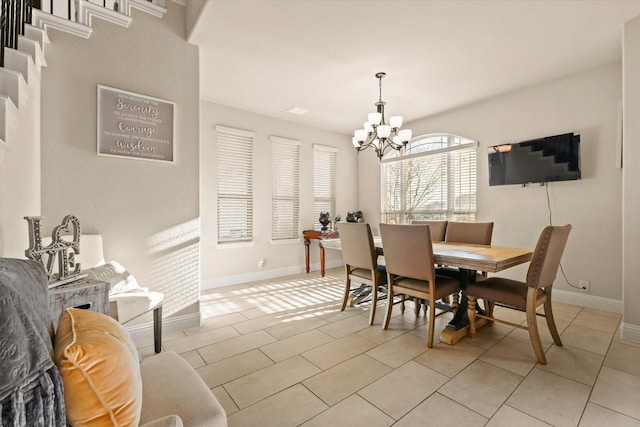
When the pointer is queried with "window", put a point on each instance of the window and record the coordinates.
(324, 181)
(235, 185)
(285, 200)
(434, 179)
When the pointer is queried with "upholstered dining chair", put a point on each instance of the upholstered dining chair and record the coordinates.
(360, 260)
(438, 228)
(474, 233)
(529, 295)
(438, 232)
(408, 253)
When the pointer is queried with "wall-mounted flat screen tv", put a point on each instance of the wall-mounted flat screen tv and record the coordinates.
(548, 159)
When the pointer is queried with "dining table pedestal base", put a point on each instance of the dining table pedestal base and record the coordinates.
(449, 336)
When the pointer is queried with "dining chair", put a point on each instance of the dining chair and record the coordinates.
(475, 233)
(438, 232)
(438, 228)
(408, 253)
(360, 260)
(529, 295)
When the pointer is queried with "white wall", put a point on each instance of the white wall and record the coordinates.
(147, 212)
(586, 103)
(630, 328)
(20, 171)
(222, 266)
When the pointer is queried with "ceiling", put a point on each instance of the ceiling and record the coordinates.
(267, 56)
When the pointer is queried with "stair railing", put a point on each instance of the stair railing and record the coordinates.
(67, 9)
(14, 15)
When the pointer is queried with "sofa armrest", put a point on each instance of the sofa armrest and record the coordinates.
(171, 386)
(168, 421)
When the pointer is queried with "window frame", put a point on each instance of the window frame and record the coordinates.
(293, 180)
(405, 214)
(321, 200)
(229, 186)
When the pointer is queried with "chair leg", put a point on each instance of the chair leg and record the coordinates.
(416, 306)
(374, 302)
(490, 305)
(534, 335)
(432, 321)
(551, 323)
(471, 313)
(347, 290)
(387, 317)
(157, 329)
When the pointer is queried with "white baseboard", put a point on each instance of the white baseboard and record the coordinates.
(169, 325)
(630, 332)
(264, 275)
(586, 300)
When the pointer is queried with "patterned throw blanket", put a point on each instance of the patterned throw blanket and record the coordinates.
(31, 392)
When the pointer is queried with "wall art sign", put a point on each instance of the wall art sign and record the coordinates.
(134, 126)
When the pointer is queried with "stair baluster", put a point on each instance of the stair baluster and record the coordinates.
(15, 14)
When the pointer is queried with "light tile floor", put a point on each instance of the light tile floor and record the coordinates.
(280, 353)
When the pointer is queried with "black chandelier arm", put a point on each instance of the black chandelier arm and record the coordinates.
(382, 147)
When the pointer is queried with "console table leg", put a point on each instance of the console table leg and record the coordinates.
(321, 259)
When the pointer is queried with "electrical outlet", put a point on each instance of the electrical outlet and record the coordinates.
(584, 286)
(261, 264)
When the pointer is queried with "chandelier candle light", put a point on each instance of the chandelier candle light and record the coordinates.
(377, 133)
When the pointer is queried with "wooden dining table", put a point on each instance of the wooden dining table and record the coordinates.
(472, 258)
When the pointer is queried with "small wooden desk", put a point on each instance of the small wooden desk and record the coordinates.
(318, 235)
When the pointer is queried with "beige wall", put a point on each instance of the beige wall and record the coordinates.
(20, 171)
(194, 8)
(147, 212)
(586, 103)
(630, 178)
(227, 265)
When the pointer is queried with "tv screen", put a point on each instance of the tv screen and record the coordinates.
(553, 158)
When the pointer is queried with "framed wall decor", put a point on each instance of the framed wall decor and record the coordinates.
(134, 126)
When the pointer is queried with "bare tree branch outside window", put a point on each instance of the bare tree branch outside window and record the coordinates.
(440, 184)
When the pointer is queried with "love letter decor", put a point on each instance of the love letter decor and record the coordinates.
(134, 126)
(60, 249)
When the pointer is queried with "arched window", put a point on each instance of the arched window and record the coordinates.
(435, 178)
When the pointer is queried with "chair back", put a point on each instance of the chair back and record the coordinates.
(408, 251)
(546, 256)
(438, 228)
(475, 233)
(356, 240)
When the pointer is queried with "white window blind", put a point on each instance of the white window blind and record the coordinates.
(435, 179)
(285, 194)
(324, 181)
(235, 185)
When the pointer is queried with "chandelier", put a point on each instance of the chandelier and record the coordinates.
(377, 133)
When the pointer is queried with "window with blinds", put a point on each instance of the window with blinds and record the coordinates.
(434, 179)
(324, 181)
(235, 185)
(285, 194)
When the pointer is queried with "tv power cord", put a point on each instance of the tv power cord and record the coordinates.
(546, 187)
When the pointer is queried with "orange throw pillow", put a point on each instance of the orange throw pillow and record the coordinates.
(99, 367)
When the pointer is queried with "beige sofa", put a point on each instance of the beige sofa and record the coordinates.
(163, 390)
